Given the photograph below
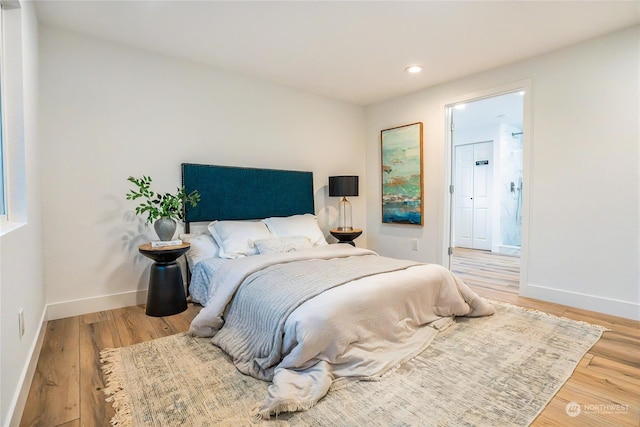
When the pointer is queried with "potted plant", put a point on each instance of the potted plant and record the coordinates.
(161, 209)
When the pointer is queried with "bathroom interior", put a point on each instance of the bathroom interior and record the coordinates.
(496, 122)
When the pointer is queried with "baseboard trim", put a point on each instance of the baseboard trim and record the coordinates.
(20, 399)
(599, 304)
(79, 307)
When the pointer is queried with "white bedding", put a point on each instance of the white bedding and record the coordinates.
(359, 329)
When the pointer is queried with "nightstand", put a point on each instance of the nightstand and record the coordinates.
(166, 295)
(346, 236)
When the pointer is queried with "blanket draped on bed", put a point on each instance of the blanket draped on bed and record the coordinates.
(254, 326)
(339, 314)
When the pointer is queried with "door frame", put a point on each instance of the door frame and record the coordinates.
(527, 141)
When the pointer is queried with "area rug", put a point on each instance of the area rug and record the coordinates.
(489, 371)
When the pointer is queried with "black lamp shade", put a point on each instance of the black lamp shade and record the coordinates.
(344, 185)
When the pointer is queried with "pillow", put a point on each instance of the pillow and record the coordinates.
(297, 225)
(202, 247)
(235, 238)
(277, 245)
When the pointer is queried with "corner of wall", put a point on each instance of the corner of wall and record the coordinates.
(26, 378)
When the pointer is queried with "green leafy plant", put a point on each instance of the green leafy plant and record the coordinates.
(157, 205)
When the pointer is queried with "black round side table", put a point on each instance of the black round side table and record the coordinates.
(166, 295)
(344, 236)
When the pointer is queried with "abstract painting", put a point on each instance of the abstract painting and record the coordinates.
(402, 194)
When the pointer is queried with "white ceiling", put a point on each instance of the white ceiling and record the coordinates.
(507, 108)
(352, 51)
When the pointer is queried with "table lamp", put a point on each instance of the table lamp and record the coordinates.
(343, 186)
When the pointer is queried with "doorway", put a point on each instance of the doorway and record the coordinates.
(487, 181)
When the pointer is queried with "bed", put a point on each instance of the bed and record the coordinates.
(288, 307)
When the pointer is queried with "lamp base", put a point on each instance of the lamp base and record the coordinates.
(344, 212)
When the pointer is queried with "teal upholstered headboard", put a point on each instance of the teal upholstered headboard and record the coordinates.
(235, 193)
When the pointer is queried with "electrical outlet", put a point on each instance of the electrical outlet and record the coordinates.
(21, 322)
(414, 244)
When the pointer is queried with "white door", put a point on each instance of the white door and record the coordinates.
(472, 189)
(463, 191)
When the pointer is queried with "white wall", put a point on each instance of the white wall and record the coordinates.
(108, 112)
(583, 162)
(21, 260)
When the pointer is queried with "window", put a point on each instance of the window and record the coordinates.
(3, 207)
(13, 189)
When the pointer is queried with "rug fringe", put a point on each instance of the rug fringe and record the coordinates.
(542, 313)
(113, 374)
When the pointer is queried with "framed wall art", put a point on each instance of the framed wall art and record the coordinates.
(402, 175)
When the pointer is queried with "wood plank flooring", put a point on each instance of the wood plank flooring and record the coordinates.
(487, 269)
(67, 387)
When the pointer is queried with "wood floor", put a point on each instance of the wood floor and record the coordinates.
(486, 269)
(67, 387)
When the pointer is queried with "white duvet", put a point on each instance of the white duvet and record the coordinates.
(358, 330)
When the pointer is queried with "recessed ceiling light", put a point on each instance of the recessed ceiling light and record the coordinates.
(414, 69)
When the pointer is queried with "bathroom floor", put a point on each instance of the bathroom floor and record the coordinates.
(487, 269)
